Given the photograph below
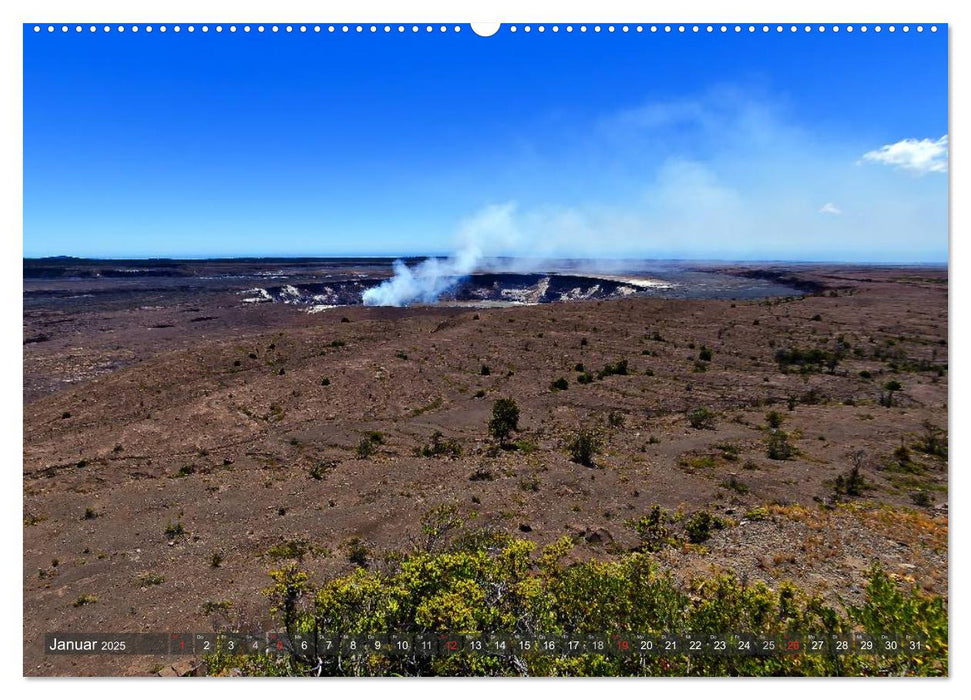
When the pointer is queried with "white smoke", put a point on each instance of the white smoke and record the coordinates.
(490, 230)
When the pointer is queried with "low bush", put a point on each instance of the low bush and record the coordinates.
(584, 444)
(440, 447)
(778, 446)
(495, 585)
(701, 419)
(620, 368)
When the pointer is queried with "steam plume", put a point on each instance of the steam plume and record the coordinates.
(431, 278)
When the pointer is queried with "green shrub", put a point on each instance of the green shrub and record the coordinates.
(811, 360)
(891, 388)
(705, 354)
(698, 527)
(357, 552)
(505, 419)
(173, 530)
(150, 579)
(921, 499)
(933, 441)
(701, 419)
(319, 470)
(851, 483)
(490, 584)
(735, 485)
(778, 446)
(440, 447)
(653, 531)
(290, 549)
(559, 384)
(773, 419)
(620, 367)
(584, 444)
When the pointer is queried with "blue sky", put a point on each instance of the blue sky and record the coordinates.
(801, 146)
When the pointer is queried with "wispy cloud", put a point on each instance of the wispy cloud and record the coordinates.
(719, 175)
(920, 156)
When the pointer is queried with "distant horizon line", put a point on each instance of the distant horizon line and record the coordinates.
(419, 256)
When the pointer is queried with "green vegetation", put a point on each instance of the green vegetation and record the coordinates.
(729, 451)
(527, 447)
(653, 530)
(150, 579)
(891, 388)
(705, 354)
(810, 360)
(319, 470)
(851, 483)
(620, 368)
(211, 607)
(933, 441)
(699, 526)
(176, 529)
(439, 447)
(736, 485)
(85, 599)
(498, 585)
(701, 419)
(559, 385)
(505, 419)
(585, 378)
(778, 446)
(357, 552)
(369, 444)
(291, 549)
(584, 444)
(921, 499)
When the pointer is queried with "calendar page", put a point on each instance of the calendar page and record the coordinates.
(546, 349)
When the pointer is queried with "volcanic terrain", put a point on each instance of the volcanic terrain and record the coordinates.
(180, 442)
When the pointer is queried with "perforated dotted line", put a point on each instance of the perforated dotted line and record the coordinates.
(710, 29)
(512, 28)
(247, 28)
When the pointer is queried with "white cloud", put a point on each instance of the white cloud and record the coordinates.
(716, 177)
(923, 156)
